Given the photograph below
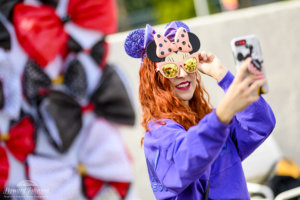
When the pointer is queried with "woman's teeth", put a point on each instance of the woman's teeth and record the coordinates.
(183, 85)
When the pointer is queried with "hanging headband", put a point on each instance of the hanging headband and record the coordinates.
(176, 37)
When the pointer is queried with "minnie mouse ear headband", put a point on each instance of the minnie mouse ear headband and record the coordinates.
(176, 37)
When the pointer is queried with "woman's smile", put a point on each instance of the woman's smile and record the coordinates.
(183, 85)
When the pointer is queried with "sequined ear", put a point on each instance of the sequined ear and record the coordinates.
(134, 43)
(35, 81)
(151, 52)
(5, 42)
(111, 98)
(99, 52)
(73, 45)
(195, 42)
(7, 7)
(63, 111)
(52, 3)
(75, 79)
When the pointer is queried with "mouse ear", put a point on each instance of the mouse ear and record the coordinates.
(134, 43)
(195, 42)
(151, 52)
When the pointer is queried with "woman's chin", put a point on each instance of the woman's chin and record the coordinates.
(185, 98)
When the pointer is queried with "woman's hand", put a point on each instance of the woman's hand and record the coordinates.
(241, 93)
(210, 65)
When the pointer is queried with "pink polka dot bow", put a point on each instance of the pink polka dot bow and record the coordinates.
(165, 47)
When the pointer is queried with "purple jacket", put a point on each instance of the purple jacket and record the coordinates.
(180, 162)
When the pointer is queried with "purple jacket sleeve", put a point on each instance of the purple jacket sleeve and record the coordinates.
(252, 126)
(184, 156)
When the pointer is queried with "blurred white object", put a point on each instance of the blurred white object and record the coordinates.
(260, 162)
(201, 7)
(295, 192)
(260, 190)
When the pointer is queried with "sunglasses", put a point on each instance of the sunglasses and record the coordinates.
(171, 69)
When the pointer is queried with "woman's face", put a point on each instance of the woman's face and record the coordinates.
(185, 83)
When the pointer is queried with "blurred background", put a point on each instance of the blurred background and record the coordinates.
(135, 14)
(216, 22)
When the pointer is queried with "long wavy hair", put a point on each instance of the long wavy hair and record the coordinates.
(159, 102)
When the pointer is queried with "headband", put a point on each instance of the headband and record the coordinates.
(176, 37)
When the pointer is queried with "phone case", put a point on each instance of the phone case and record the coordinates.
(248, 46)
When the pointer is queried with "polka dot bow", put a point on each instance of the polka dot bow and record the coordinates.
(165, 47)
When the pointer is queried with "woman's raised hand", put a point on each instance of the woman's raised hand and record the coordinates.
(210, 65)
(240, 94)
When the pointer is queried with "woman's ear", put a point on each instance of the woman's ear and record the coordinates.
(151, 52)
(195, 42)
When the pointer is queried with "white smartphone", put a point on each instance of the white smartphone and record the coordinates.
(248, 46)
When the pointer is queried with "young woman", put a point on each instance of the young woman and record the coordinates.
(192, 150)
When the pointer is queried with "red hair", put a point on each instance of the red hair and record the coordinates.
(158, 100)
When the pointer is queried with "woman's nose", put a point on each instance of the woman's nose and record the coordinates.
(182, 73)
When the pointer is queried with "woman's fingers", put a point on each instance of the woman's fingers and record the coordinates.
(256, 85)
(249, 86)
(250, 78)
(241, 93)
(210, 57)
(206, 57)
(242, 70)
(254, 98)
(203, 55)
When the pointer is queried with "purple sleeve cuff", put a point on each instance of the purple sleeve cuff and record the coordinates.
(226, 81)
(215, 123)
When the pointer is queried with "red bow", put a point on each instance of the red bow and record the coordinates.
(93, 186)
(19, 142)
(99, 15)
(41, 32)
(4, 168)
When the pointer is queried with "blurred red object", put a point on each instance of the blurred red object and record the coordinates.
(41, 32)
(100, 15)
(20, 142)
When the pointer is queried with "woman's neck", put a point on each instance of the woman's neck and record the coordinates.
(185, 103)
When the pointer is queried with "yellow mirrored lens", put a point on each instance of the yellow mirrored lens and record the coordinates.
(190, 65)
(170, 70)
